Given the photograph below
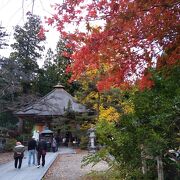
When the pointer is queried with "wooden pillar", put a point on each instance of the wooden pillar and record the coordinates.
(20, 125)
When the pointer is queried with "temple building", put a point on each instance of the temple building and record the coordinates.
(43, 111)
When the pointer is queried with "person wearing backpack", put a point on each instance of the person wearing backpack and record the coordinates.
(41, 150)
(18, 154)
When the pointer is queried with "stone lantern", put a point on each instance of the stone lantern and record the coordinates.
(92, 136)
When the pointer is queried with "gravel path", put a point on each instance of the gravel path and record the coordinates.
(6, 157)
(68, 167)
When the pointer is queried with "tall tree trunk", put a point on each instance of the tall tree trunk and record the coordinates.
(144, 165)
(98, 104)
(160, 168)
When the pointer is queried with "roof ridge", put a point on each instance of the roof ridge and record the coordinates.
(35, 102)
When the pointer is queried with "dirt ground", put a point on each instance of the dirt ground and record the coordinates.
(68, 167)
(6, 157)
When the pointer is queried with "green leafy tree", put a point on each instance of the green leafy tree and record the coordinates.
(54, 71)
(27, 49)
(158, 116)
(3, 43)
(6, 78)
(144, 137)
(47, 75)
(3, 35)
(62, 62)
(19, 70)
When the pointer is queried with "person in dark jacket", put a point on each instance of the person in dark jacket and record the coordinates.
(41, 150)
(31, 150)
(18, 154)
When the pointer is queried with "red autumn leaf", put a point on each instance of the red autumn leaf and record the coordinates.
(92, 13)
(129, 37)
(146, 82)
(66, 18)
(50, 21)
(41, 34)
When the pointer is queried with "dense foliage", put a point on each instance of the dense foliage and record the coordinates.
(120, 38)
(128, 43)
(112, 45)
(27, 50)
(149, 131)
(53, 71)
(3, 35)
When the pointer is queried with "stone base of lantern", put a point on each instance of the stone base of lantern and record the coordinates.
(92, 150)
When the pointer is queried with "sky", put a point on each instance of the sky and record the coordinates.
(13, 12)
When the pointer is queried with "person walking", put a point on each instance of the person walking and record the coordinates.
(31, 150)
(54, 145)
(57, 141)
(18, 154)
(41, 150)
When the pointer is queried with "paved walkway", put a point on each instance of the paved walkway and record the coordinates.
(65, 150)
(8, 172)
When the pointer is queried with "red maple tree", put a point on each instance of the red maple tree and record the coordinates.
(127, 36)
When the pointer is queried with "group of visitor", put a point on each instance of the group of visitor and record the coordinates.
(36, 150)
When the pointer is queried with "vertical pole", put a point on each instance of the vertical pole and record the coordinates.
(160, 168)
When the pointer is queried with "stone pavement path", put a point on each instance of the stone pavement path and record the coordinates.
(65, 150)
(8, 172)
